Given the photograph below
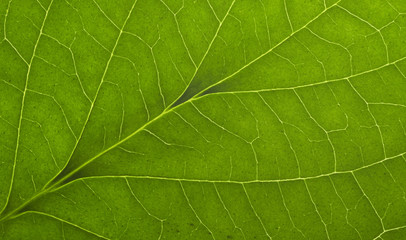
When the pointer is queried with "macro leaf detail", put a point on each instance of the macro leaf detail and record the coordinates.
(178, 119)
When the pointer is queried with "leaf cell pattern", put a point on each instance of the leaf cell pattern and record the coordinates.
(176, 119)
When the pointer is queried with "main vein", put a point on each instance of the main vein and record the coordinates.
(57, 184)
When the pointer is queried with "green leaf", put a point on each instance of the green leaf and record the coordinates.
(178, 119)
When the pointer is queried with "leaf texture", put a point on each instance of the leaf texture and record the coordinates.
(178, 119)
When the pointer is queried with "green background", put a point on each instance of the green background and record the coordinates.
(203, 119)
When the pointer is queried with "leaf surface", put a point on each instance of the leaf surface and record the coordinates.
(235, 119)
